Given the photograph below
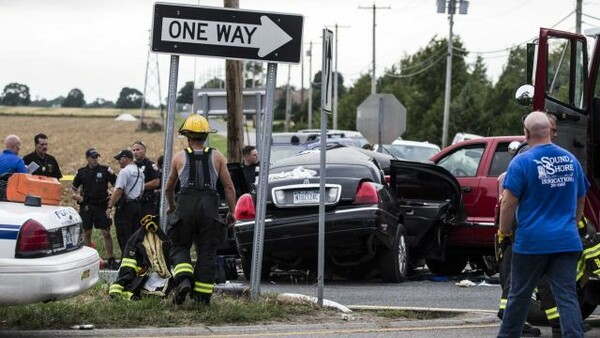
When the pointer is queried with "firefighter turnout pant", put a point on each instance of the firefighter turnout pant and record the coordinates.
(194, 221)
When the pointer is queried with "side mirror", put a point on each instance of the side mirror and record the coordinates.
(524, 95)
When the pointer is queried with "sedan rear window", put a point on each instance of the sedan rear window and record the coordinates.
(332, 170)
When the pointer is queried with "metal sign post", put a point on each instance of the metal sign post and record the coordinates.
(168, 144)
(232, 34)
(326, 96)
(263, 176)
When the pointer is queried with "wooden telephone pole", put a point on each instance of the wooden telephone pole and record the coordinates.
(234, 87)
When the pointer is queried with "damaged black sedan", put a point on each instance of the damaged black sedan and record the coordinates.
(363, 227)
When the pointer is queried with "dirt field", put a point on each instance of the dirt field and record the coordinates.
(69, 137)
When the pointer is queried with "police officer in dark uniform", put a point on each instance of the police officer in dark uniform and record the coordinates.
(93, 179)
(48, 166)
(249, 165)
(152, 178)
(194, 219)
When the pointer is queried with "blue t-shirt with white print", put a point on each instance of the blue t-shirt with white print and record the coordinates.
(547, 180)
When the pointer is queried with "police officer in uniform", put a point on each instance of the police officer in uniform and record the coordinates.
(126, 197)
(249, 165)
(93, 180)
(194, 218)
(48, 166)
(151, 178)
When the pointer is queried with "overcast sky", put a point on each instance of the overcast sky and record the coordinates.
(101, 46)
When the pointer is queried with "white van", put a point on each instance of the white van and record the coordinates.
(459, 137)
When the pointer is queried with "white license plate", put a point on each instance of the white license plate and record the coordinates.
(306, 197)
(70, 236)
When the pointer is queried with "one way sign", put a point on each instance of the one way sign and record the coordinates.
(227, 33)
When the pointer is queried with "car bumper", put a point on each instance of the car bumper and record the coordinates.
(347, 229)
(25, 281)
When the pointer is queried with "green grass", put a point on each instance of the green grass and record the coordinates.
(94, 307)
(410, 314)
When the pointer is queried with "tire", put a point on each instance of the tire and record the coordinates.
(393, 262)
(487, 264)
(452, 266)
(247, 268)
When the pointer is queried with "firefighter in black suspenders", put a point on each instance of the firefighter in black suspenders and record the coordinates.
(194, 219)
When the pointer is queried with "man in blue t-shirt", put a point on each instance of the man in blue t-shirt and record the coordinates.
(546, 187)
(10, 162)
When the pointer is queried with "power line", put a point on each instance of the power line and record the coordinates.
(401, 76)
(591, 17)
(418, 64)
(563, 19)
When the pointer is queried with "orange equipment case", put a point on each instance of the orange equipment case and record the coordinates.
(20, 186)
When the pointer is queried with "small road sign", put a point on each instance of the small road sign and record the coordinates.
(227, 33)
(381, 118)
(326, 74)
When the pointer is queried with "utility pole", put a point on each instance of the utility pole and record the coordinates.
(234, 88)
(310, 86)
(578, 11)
(335, 77)
(373, 72)
(441, 8)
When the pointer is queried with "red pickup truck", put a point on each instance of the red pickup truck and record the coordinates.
(454, 198)
(476, 164)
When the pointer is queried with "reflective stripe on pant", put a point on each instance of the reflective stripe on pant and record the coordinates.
(203, 288)
(182, 270)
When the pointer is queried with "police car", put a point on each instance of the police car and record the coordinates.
(42, 257)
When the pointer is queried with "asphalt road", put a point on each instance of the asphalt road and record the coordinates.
(422, 290)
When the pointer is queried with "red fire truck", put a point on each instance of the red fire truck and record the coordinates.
(564, 82)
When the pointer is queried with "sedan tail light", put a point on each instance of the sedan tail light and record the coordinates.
(244, 209)
(366, 193)
(33, 241)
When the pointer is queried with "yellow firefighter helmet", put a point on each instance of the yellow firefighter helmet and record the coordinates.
(195, 124)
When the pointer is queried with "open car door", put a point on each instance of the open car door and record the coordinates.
(430, 201)
(561, 82)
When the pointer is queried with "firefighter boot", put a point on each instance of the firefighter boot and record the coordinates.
(200, 298)
(530, 331)
(181, 291)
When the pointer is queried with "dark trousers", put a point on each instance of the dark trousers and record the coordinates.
(526, 271)
(194, 222)
(127, 220)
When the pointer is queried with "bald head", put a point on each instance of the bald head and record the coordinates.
(13, 143)
(538, 127)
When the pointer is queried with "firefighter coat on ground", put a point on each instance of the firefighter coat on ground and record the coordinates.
(145, 252)
(196, 221)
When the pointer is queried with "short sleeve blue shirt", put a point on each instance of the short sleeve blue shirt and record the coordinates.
(547, 180)
(11, 163)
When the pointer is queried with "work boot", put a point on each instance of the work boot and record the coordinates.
(111, 264)
(182, 291)
(201, 298)
(530, 331)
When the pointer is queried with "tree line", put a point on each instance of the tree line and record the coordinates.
(17, 94)
(477, 106)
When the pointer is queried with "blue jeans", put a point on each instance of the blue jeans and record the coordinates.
(526, 271)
